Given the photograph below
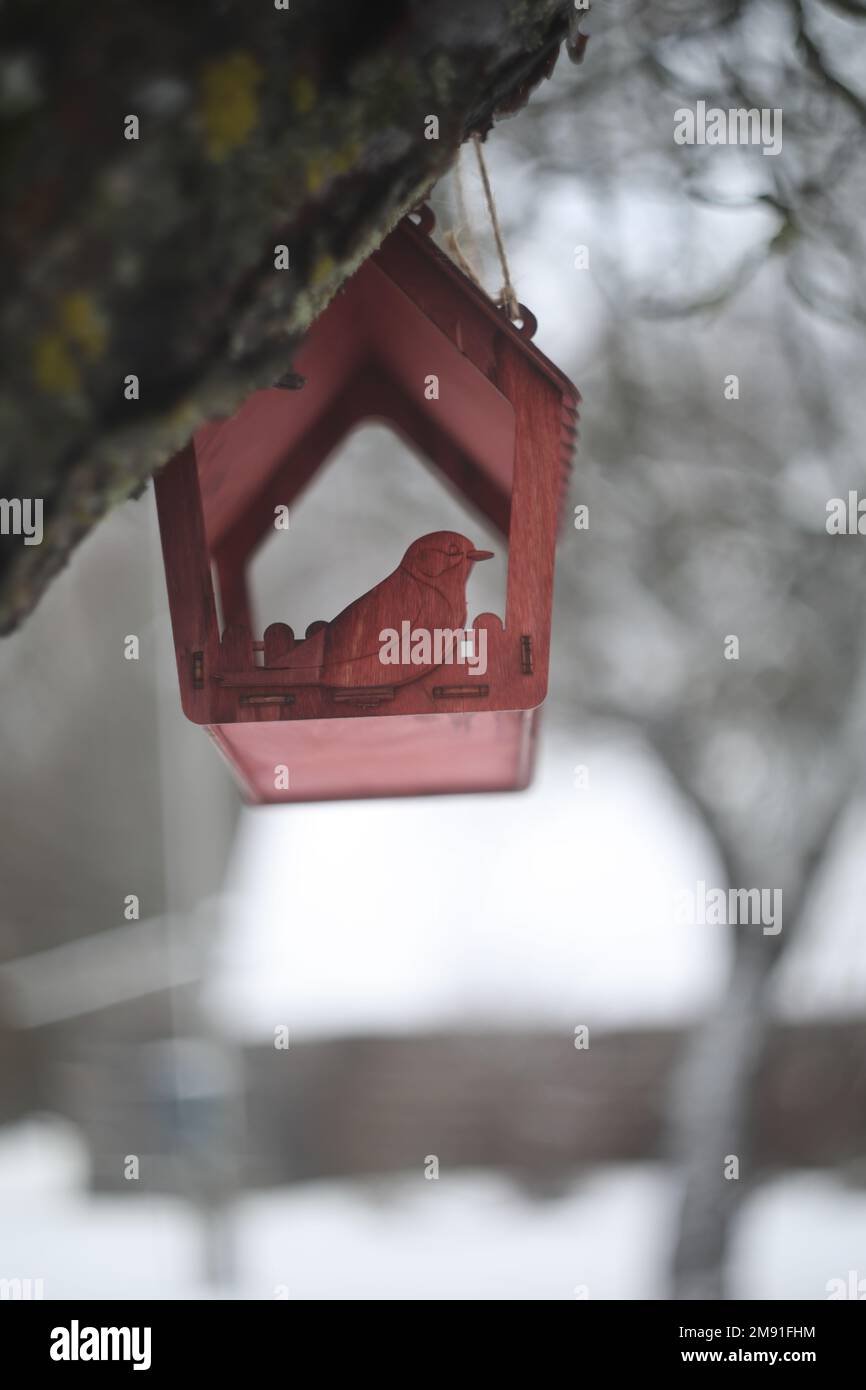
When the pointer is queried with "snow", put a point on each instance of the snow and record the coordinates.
(461, 1237)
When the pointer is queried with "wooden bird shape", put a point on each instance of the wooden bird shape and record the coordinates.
(427, 590)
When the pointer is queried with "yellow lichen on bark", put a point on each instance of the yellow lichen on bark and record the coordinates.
(229, 105)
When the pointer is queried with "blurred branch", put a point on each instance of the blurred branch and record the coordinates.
(816, 62)
(646, 61)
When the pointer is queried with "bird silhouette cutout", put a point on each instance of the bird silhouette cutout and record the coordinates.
(427, 590)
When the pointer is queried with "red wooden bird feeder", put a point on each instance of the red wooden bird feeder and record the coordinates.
(332, 714)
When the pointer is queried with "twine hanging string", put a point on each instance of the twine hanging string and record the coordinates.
(507, 297)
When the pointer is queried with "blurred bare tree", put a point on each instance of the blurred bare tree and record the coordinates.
(610, 126)
(707, 513)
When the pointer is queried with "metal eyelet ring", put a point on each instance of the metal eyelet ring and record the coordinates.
(528, 322)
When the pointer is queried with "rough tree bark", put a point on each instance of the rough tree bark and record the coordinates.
(257, 126)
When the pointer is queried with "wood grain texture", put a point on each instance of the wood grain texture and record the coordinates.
(501, 432)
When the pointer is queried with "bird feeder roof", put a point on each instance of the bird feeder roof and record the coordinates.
(407, 314)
